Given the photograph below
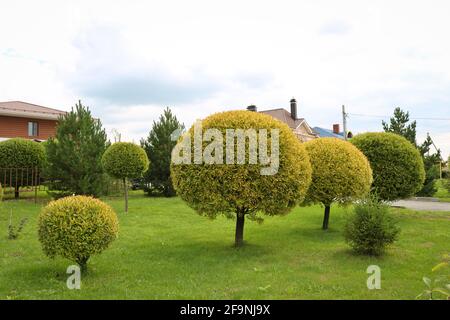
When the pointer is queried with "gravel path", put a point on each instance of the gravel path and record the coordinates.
(422, 204)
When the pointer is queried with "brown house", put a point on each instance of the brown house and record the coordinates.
(25, 120)
(298, 125)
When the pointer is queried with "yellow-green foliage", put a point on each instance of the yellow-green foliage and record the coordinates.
(77, 227)
(125, 160)
(21, 153)
(213, 189)
(341, 173)
(398, 169)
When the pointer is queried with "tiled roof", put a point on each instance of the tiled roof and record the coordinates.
(24, 109)
(284, 116)
(327, 133)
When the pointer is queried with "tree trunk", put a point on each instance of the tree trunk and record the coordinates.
(239, 238)
(326, 217)
(16, 192)
(126, 194)
(82, 262)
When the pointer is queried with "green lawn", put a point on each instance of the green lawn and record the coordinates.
(166, 251)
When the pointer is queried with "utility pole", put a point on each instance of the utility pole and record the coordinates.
(344, 121)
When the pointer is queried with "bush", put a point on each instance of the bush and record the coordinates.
(340, 173)
(125, 160)
(398, 169)
(76, 228)
(21, 153)
(240, 189)
(371, 228)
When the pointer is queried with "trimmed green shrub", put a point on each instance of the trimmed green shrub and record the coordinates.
(371, 228)
(125, 160)
(340, 173)
(21, 153)
(236, 189)
(397, 166)
(76, 228)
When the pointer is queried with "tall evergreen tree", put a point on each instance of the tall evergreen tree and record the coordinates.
(158, 146)
(399, 124)
(74, 154)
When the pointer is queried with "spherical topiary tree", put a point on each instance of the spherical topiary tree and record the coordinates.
(340, 173)
(398, 170)
(219, 167)
(24, 155)
(76, 228)
(125, 160)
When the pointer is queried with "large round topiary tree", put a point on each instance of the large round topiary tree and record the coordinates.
(125, 160)
(219, 167)
(20, 158)
(77, 227)
(340, 173)
(398, 169)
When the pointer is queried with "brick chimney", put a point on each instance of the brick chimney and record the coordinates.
(251, 108)
(336, 128)
(293, 109)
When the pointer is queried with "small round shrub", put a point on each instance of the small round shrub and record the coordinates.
(371, 228)
(340, 173)
(76, 228)
(240, 189)
(398, 169)
(125, 160)
(19, 154)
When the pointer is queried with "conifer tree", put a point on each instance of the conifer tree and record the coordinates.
(74, 154)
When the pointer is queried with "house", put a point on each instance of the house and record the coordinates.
(25, 120)
(298, 125)
(335, 133)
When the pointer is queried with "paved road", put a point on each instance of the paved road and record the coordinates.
(418, 204)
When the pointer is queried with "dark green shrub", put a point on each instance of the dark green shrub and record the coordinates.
(23, 154)
(398, 169)
(340, 174)
(76, 228)
(125, 160)
(371, 228)
(241, 190)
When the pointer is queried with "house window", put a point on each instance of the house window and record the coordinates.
(33, 129)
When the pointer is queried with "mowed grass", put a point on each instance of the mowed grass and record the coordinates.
(166, 251)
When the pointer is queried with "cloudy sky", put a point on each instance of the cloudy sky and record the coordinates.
(128, 60)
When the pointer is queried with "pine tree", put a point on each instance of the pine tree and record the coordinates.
(432, 171)
(399, 125)
(158, 146)
(74, 154)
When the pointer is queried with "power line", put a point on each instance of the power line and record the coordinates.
(385, 117)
